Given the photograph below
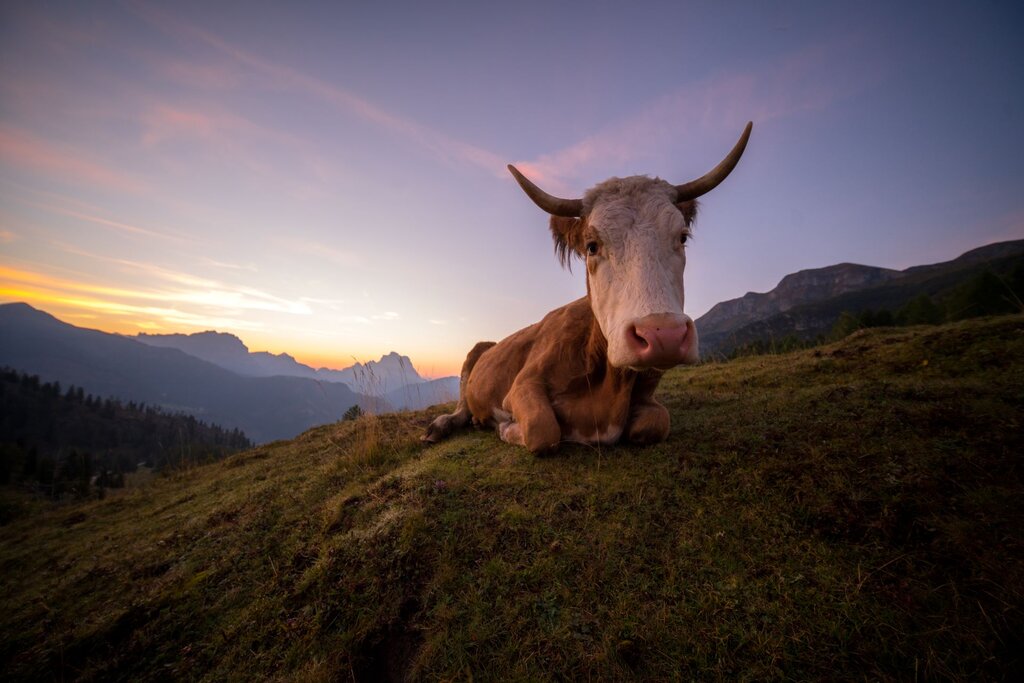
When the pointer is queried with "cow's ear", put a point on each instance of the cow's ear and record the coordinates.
(568, 236)
(689, 211)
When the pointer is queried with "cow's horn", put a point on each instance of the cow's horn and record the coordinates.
(556, 206)
(710, 180)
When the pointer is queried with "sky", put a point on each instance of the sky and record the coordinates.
(328, 179)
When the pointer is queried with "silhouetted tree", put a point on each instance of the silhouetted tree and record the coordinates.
(920, 310)
(846, 325)
(984, 294)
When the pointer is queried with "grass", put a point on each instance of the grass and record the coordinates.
(847, 512)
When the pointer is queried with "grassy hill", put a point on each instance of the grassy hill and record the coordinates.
(848, 512)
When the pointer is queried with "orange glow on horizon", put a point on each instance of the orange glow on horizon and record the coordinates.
(427, 365)
(98, 307)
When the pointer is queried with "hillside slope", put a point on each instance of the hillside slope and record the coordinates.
(845, 513)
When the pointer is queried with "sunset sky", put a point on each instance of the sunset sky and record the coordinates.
(328, 179)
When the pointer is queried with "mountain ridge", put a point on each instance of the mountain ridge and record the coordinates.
(392, 380)
(793, 289)
(808, 302)
(104, 364)
(229, 351)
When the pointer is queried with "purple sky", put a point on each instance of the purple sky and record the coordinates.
(328, 179)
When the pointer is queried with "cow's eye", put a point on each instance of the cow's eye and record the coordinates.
(683, 237)
(592, 248)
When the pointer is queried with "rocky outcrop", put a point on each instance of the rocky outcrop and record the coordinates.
(805, 286)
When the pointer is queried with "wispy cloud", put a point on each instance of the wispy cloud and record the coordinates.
(285, 77)
(228, 266)
(330, 304)
(108, 223)
(341, 257)
(803, 81)
(352, 319)
(183, 298)
(6, 237)
(25, 151)
(221, 136)
(142, 317)
(200, 75)
(166, 122)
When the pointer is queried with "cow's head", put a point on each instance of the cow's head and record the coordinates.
(631, 232)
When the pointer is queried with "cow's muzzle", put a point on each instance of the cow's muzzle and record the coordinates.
(662, 341)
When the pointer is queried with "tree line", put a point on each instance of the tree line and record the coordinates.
(67, 443)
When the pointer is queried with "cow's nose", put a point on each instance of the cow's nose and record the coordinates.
(660, 341)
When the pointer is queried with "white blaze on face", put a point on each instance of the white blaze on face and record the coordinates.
(633, 244)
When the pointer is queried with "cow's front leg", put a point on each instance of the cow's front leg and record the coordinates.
(533, 423)
(649, 423)
(648, 420)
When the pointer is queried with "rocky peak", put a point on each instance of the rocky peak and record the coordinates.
(795, 289)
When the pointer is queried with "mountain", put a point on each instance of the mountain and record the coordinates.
(836, 514)
(808, 303)
(377, 378)
(228, 351)
(805, 286)
(391, 373)
(265, 408)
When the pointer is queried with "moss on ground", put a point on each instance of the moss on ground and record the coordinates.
(848, 512)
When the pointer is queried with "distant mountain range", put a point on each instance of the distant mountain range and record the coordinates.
(266, 407)
(228, 351)
(808, 303)
(392, 379)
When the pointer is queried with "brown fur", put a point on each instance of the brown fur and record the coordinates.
(554, 377)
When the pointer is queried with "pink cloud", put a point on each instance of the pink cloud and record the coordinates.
(243, 142)
(163, 122)
(443, 145)
(205, 76)
(117, 225)
(67, 206)
(22, 149)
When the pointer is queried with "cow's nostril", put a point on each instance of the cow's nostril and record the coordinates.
(640, 341)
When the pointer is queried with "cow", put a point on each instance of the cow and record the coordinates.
(586, 373)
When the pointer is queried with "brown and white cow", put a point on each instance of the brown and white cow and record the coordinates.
(587, 372)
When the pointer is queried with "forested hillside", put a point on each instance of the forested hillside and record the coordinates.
(68, 443)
